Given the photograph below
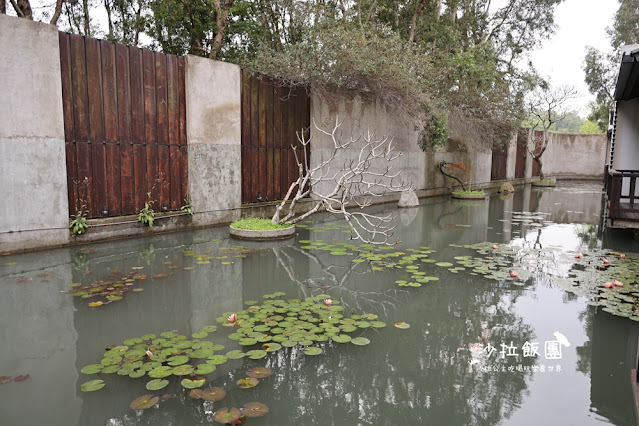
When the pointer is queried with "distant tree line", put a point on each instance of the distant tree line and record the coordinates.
(446, 65)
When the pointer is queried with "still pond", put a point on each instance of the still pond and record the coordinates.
(435, 330)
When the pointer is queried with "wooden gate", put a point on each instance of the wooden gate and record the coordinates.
(124, 125)
(520, 158)
(498, 167)
(272, 118)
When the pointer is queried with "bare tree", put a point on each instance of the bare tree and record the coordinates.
(546, 106)
(355, 183)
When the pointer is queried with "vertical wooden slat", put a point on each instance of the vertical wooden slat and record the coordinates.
(109, 96)
(183, 135)
(81, 118)
(153, 180)
(67, 108)
(96, 127)
(292, 139)
(254, 140)
(269, 178)
(277, 143)
(285, 177)
(262, 167)
(173, 118)
(137, 128)
(123, 85)
(161, 95)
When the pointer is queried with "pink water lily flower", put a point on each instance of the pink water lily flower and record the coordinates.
(232, 318)
(328, 302)
(149, 353)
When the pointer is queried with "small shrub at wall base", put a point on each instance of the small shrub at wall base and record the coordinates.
(79, 223)
(550, 180)
(186, 208)
(146, 215)
(257, 224)
(469, 192)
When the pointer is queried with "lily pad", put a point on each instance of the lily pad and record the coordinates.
(178, 360)
(249, 382)
(271, 347)
(137, 374)
(209, 328)
(143, 402)
(203, 369)
(360, 341)
(161, 372)
(193, 383)
(341, 338)
(402, 325)
(219, 359)
(92, 369)
(259, 372)
(256, 354)
(313, 350)
(92, 385)
(254, 409)
(235, 354)
(183, 370)
(212, 394)
(200, 335)
(157, 384)
(227, 416)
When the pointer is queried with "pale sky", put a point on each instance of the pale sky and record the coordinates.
(580, 23)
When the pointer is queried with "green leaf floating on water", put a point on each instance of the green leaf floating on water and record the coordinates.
(249, 382)
(193, 383)
(178, 360)
(157, 384)
(444, 264)
(341, 338)
(271, 347)
(161, 372)
(256, 354)
(200, 335)
(378, 324)
(92, 369)
(137, 374)
(247, 341)
(212, 394)
(209, 328)
(220, 359)
(203, 369)
(313, 350)
(235, 354)
(143, 402)
(183, 370)
(92, 385)
(360, 341)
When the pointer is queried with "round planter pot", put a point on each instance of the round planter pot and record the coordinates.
(269, 235)
(468, 196)
(544, 184)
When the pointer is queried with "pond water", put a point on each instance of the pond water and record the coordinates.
(442, 370)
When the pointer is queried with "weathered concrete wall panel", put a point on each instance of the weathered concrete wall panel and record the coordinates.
(214, 134)
(33, 184)
(575, 156)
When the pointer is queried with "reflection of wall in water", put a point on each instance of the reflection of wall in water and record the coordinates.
(614, 354)
(38, 338)
(570, 206)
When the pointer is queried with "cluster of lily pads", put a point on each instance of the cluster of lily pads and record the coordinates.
(109, 290)
(271, 326)
(224, 254)
(609, 279)
(281, 323)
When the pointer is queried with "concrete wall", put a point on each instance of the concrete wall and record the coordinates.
(33, 187)
(419, 168)
(214, 135)
(575, 156)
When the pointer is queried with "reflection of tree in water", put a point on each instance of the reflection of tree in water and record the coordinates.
(418, 375)
(588, 234)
